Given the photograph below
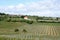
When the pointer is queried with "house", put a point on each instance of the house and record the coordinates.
(25, 17)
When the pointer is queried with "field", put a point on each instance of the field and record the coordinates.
(35, 31)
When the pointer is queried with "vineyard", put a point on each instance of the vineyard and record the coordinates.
(35, 31)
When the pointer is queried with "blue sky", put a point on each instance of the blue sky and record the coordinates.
(15, 2)
(31, 7)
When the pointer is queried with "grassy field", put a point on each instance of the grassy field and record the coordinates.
(35, 31)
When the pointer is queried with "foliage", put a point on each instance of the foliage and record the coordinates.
(9, 20)
(48, 21)
(24, 30)
(22, 20)
(57, 18)
(15, 21)
(16, 30)
(22, 16)
(39, 18)
(29, 22)
(2, 14)
(1, 19)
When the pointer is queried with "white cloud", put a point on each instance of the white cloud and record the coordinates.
(42, 8)
(20, 6)
(10, 7)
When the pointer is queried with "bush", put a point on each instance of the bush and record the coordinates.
(48, 22)
(9, 20)
(16, 30)
(1, 19)
(22, 16)
(29, 22)
(22, 20)
(15, 20)
(24, 30)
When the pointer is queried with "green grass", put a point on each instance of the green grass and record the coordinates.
(10, 26)
(7, 28)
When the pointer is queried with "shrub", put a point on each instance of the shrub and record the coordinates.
(22, 16)
(24, 30)
(16, 30)
(22, 20)
(14, 20)
(9, 20)
(29, 22)
(1, 19)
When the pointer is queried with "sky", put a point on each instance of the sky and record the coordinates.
(31, 7)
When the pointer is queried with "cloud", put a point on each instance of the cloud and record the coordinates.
(40, 8)
(20, 6)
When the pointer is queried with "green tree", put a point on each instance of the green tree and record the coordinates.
(57, 18)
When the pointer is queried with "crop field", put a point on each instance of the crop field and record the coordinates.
(35, 31)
